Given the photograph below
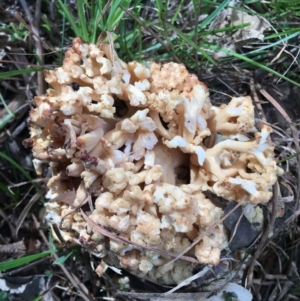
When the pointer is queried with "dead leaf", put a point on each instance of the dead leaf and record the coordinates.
(242, 233)
(233, 40)
(238, 290)
(27, 288)
(67, 197)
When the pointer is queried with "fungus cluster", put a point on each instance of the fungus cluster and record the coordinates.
(135, 146)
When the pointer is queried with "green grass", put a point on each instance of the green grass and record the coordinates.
(8, 117)
(9, 74)
(11, 195)
(14, 31)
(184, 44)
(16, 166)
(191, 47)
(18, 172)
(91, 17)
(61, 260)
(19, 262)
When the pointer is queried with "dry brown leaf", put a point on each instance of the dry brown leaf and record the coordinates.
(233, 40)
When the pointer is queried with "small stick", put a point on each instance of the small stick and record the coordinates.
(249, 271)
(208, 231)
(34, 24)
(295, 135)
(147, 28)
(79, 286)
(115, 237)
(30, 30)
(259, 108)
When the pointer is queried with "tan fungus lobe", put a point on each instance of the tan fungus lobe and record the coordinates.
(143, 141)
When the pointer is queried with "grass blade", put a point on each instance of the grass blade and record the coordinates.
(177, 12)
(61, 260)
(211, 48)
(8, 192)
(116, 13)
(65, 12)
(192, 44)
(11, 264)
(275, 43)
(8, 117)
(283, 33)
(28, 206)
(82, 20)
(251, 62)
(97, 10)
(16, 165)
(289, 157)
(8, 74)
(213, 15)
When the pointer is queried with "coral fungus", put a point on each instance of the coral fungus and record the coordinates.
(140, 144)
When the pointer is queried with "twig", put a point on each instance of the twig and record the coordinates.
(30, 30)
(196, 296)
(19, 63)
(206, 232)
(34, 24)
(121, 239)
(11, 227)
(104, 10)
(197, 14)
(297, 148)
(227, 85)
(25, 211)
(294, 134)
(294, 61)
(188, 281)
(233, 233)
(39, 180)
(24, 196)
(259, 108)
(79, 286)
(286, 222)
(176, 59)
(249, 271)
(162, 18)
